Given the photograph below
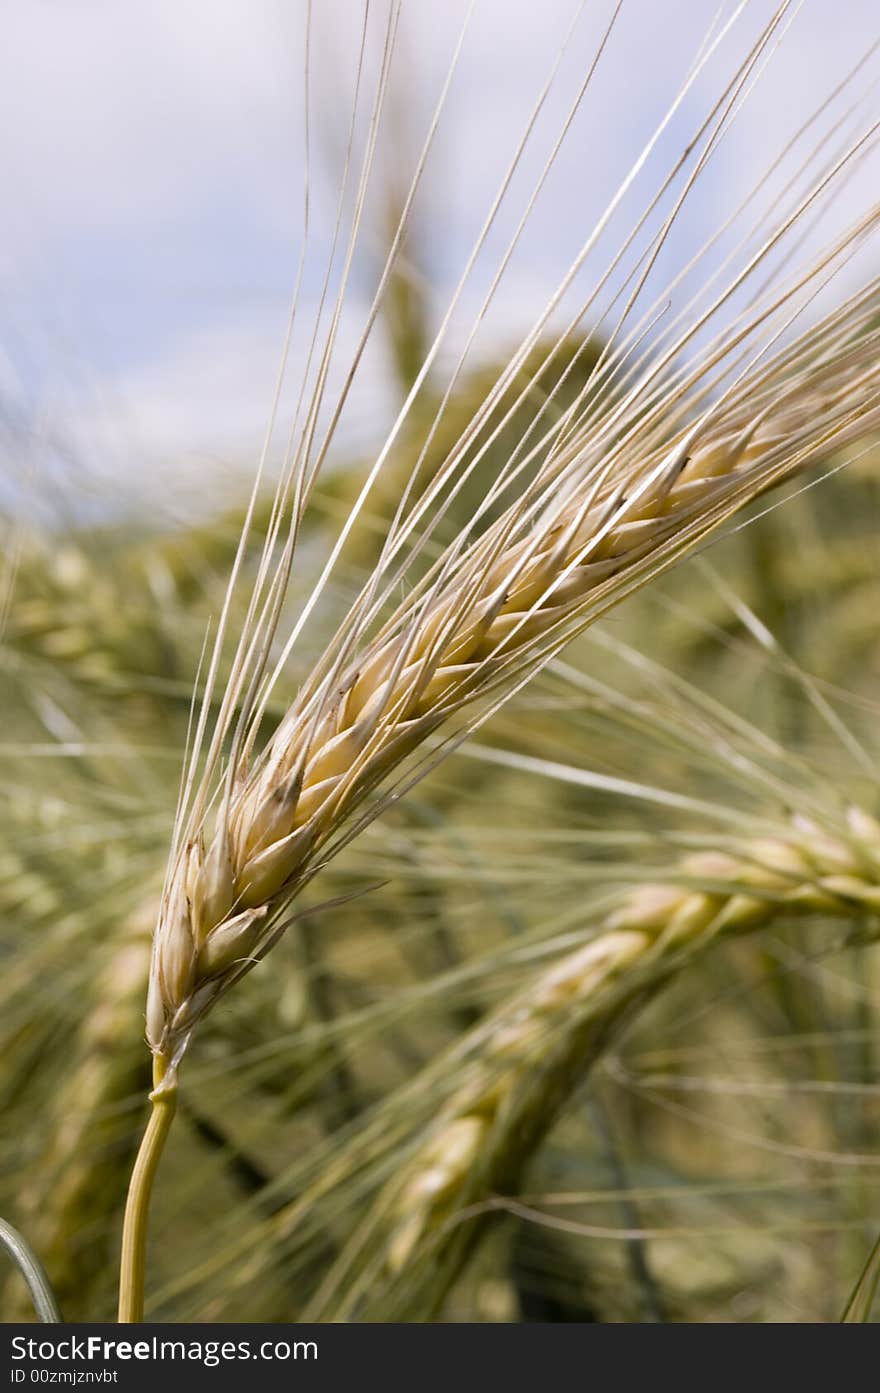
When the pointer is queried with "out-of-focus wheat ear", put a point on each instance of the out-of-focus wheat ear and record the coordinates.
(76, 1186)
(528, 1056)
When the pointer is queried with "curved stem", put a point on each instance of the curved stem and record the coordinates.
(137, 1205)
(34, 1274)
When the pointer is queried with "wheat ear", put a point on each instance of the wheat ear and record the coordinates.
(499, 611)
(487, 618)
(656, 451)
(524, 1061)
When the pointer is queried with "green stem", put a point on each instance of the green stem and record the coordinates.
(137, 1205)
(34, 1274)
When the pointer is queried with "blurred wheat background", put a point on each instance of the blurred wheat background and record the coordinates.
(714, 1153)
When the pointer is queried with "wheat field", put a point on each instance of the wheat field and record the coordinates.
(440, 861)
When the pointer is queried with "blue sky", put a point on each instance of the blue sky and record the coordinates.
(152, 161)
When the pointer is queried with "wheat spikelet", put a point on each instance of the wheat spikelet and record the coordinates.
(531, 1052)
